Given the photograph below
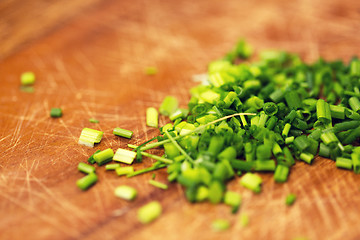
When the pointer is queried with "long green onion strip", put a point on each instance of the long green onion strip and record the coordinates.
(158, 158)
(145, 170)
(178, 147)
(158, 184)
(198, 129)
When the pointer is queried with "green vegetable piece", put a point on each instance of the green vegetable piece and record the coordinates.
(220, 225)
(345, 163)
(152, 117)
(290, 199)
(125, 192)
(158, 184)
(122, 132)
(151, 71)
(149, 212)
(124, 170)
(27, 78)
(56, 112)
(104, 156)
(252, 182)
(113, 166)
(124, 156)
(355, 157)
(93, 120)
(85, 168)
(168, 106)
(216, 192)
(90, 136)
(87, 181)
(244, 220)
(281, 173)
(27, 89)
(91, 158)
(354, 103)
(233, 199)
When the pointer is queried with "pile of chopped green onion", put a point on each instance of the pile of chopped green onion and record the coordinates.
(245, 118)
(260, 117)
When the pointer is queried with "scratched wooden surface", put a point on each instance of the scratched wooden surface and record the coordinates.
(89, 56)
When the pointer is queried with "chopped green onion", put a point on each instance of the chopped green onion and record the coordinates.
(252, 182)
(124, 170)
(264, 165)
(355, 68)
(112, 166)
(93, 120)
(90, 136)
(354, 103)
(201, 194)
(158, 158)
(220, 225)
(355, 157)
(216, 192)
(281, 173)
(124, 156)
(301, 142)
(286, 130)
(233, 199)
(289, 140)
(168, 106)
(145, 170)
(263, 152)
(352, 136)
(178, 147)
(104, 156)
(125, 192)
(27, 78)
(158, 184)
(344, 163)
(122, 132)
(337, 111)
(27, 89)
(85, 182)
(149, 212)
(91, 158)
(324, 151)
(244, 220)
(290, 199)
(85, 168)
(270, 108)
(288, 156)
(151, 70)
(56, 112)
(152, 117)
(293, 100)
(307, 157)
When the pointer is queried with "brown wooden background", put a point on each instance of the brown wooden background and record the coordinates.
(89, 58)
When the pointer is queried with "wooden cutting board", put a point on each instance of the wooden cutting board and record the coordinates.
(89, 58)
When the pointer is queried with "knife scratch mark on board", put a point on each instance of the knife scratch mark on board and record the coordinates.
(67, 231)
(65, 74)
(16, 136)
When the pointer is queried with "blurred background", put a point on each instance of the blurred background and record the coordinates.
(89, 59)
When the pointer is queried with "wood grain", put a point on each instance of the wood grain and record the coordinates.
(89, 58)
